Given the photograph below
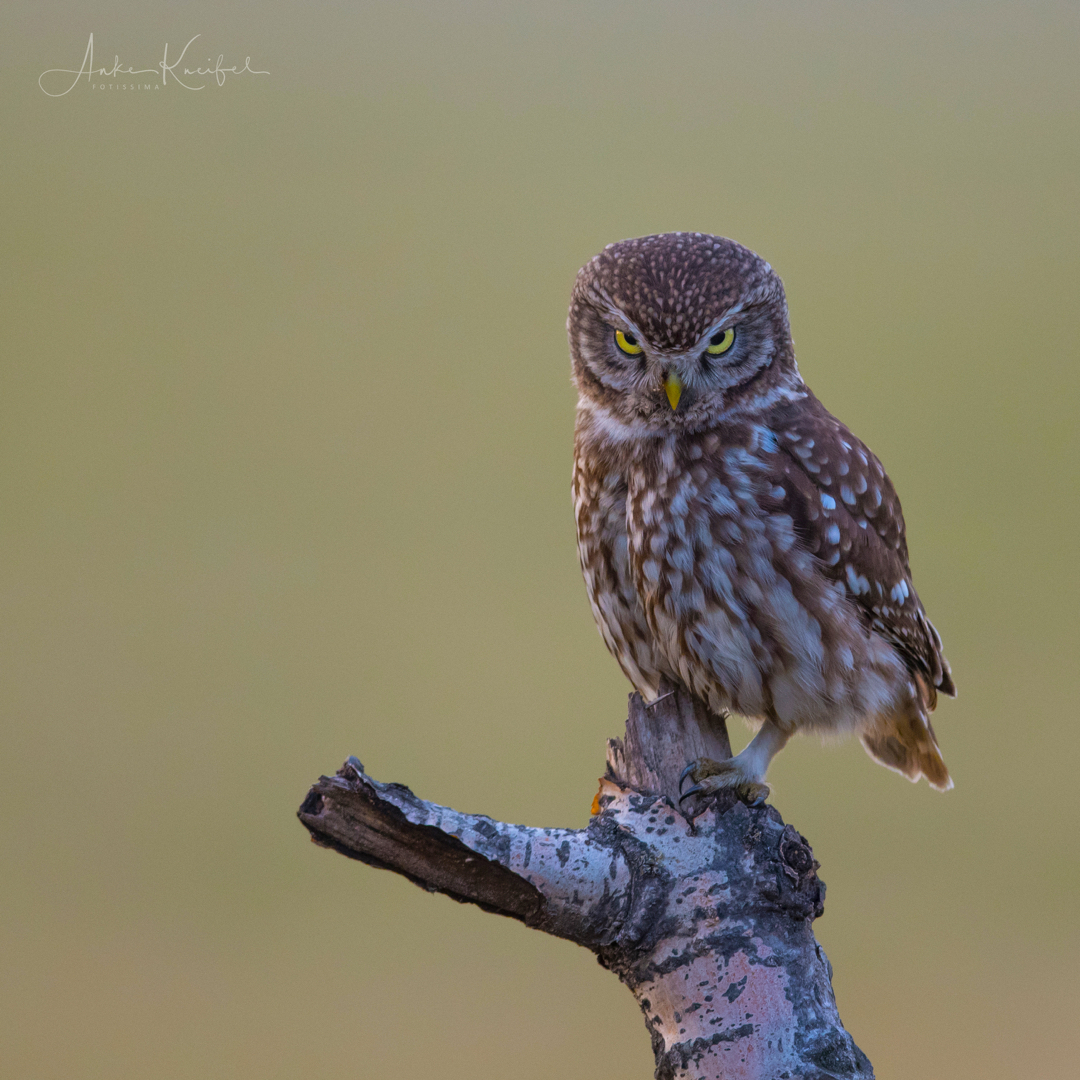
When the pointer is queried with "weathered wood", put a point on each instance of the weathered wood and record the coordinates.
(661, 738)
(707, 921)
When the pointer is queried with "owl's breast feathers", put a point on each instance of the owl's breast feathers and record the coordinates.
(762, 563)
(599, 488)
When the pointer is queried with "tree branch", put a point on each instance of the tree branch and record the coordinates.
(708, 922)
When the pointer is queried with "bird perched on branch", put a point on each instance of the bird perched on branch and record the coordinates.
(735, 537)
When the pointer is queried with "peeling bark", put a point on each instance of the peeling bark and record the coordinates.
(707, 921)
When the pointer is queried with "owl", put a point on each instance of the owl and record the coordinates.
(736, 538)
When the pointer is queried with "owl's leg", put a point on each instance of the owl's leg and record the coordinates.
(744, 773)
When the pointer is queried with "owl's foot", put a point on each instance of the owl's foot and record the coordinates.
(743, 774)
(711, 777)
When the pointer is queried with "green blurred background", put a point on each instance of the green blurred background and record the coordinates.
(286, 443)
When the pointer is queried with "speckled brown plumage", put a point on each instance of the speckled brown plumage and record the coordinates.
(743, 542)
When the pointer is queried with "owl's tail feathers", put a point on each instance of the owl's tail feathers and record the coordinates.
(906, 743)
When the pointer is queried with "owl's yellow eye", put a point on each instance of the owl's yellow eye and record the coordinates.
(627, 343)
(721, 342)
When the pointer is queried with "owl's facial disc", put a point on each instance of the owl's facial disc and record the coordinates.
(672, 332)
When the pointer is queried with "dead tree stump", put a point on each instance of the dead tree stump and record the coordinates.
(707, 920)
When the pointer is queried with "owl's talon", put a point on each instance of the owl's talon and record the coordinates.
(682, 777)
(684, 795)
(701, 768)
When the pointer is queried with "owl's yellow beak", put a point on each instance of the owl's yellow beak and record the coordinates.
(673, 389)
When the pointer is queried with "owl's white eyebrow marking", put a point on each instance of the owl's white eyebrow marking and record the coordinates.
(720, 323)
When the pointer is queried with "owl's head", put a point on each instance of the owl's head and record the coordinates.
(676, 330)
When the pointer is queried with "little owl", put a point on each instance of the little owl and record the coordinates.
(735, 537)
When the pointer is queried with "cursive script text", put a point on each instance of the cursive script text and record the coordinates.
(164, 69)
